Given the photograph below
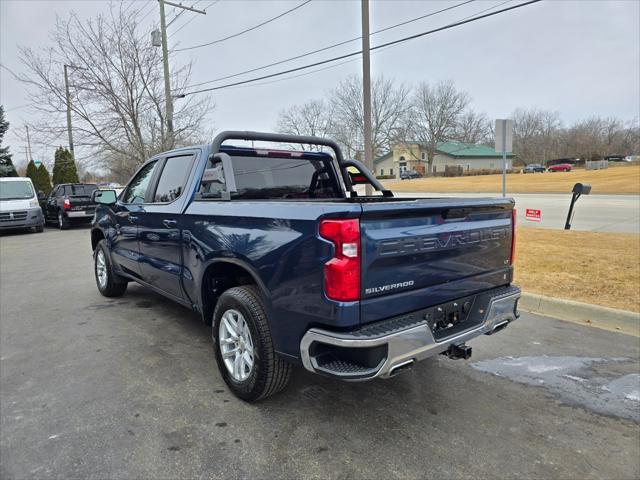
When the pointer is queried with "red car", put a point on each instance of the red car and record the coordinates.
(561, 167)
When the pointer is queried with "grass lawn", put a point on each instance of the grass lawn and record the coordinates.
(623, 179)
(597, 268)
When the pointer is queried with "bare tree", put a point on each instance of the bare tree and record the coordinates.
(312, 118)
(473, 127)
(117, 94)
(435, 116)
(389, 107)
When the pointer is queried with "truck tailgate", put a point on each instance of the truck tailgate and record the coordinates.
(424, 252)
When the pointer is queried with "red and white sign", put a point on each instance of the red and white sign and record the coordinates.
(533, 215)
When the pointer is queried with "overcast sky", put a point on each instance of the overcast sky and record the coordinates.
(580, 58)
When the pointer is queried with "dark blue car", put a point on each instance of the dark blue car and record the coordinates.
(290, 265)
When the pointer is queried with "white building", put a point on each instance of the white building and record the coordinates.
(413, 156)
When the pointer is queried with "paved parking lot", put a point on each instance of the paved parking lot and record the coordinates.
(128, 388)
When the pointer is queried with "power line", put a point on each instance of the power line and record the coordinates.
(146, 14)
(246, 30)
(352, 54)
(193, 18)
(351, 60)
(180, 13)
(328, 47)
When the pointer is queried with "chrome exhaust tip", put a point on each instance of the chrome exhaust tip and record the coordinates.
(498, 326)
(401, 367)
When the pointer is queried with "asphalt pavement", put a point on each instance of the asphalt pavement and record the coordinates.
(128, 388)
(592, 213)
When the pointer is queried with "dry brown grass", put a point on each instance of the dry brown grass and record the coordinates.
(623, 179)
(597, 268)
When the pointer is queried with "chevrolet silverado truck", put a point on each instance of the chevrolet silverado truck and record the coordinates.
(290, 265)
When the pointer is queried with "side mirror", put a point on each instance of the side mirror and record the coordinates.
(104, 197)
(41, 196)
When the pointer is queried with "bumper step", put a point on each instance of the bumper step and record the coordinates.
(377, 350)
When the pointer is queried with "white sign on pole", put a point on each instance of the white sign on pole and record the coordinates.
(504, 135)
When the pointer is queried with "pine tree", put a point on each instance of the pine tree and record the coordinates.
(64, 167)
(32, 172)
(44, 181)
(6, 165)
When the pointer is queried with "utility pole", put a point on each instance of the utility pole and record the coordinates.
(366, 92)
(30, 157)
(66, 87)
(165, 61)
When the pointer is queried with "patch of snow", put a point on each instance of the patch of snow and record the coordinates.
(635, 396)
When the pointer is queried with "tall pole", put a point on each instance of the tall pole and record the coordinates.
(366, 91)
(167, 85)
(66, 87)
(30, 157)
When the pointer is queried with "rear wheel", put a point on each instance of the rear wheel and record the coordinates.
(109, 283)
(63, 223)
(244, 348)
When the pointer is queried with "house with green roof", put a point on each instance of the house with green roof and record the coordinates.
(413, 156)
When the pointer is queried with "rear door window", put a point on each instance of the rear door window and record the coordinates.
(173, 178)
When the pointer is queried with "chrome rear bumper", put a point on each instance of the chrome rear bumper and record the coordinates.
(404, 344)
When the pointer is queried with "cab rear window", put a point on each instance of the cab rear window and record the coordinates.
(278, 178)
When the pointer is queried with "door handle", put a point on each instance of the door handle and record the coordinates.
(132, 219)
(170, 223)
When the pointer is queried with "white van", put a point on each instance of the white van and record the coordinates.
(19, 207)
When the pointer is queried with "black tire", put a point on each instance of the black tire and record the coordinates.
(269, 373)
(115, 285)
(40, 228)
(63, 223)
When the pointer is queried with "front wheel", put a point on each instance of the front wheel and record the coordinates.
(244, 348)
(109, 283)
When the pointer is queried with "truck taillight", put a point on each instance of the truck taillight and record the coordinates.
(342, 272)
(67, 204)
(512, 258)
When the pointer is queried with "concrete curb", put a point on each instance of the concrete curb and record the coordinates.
(583, 313)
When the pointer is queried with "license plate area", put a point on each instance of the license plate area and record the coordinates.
(451, 318)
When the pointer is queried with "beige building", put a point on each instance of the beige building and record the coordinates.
(413, 156)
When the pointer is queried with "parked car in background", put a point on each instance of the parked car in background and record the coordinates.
(632, 158)
(291, 265)
(561, 167)
(19, 207)
(70, 202)
(534, 168)
(409, 174)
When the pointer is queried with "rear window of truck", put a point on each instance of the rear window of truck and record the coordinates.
(270, 178)
(80, 190)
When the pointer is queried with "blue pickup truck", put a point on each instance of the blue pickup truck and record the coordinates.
(290, 265)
